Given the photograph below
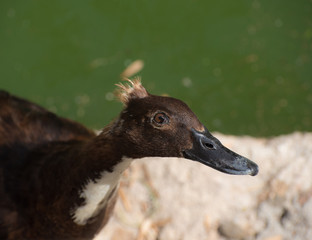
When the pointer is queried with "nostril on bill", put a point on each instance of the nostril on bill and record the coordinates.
(208, 145)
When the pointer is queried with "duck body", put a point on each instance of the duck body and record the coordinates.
(58, 179)
(34, 143)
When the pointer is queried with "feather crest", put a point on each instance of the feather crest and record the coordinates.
(132, 89)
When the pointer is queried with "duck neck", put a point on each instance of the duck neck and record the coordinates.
(77, 184)
(104, 166)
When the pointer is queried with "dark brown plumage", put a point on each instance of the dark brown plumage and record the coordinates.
(48, 164)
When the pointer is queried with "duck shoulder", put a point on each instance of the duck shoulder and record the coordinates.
(27, 123)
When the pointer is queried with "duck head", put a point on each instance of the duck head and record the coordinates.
(162, 126)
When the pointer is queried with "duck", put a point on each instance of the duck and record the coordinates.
(58, 179)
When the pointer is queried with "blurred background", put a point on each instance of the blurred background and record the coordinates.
(244, 67)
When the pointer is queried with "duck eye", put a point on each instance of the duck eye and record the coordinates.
(161, 118)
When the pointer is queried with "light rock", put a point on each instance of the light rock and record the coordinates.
(275, 204)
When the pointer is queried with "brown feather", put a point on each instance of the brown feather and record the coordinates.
(126, 92)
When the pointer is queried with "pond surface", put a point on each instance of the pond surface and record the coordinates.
(244, 67)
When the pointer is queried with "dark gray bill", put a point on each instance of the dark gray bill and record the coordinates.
(209, 150)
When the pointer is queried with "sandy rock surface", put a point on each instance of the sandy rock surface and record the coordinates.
(177, 199)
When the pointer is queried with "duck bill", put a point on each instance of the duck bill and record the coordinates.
(209, 150)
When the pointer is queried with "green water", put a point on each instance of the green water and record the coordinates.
(244, 67)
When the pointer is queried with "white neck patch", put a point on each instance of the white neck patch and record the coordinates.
(95, 192)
